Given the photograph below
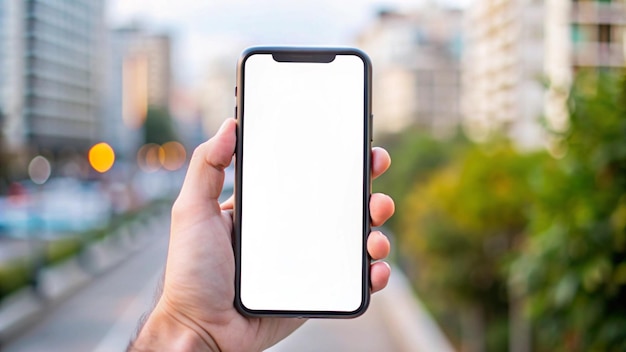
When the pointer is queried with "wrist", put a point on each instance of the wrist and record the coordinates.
(169, 331)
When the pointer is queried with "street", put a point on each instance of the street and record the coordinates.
(103, 315)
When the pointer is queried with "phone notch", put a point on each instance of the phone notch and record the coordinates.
(312, 57)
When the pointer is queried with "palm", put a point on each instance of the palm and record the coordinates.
(206, 291)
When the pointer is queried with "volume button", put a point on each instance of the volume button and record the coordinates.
(236, 131)
(371, 128)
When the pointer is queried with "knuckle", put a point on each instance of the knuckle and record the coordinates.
(199, 151)
(178, 209)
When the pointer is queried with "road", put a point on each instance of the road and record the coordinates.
(103, 315)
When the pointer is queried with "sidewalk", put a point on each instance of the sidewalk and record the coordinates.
(395, 321)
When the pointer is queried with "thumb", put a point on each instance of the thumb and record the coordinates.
(205, 175)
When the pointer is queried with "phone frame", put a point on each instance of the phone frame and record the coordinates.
(304, 54)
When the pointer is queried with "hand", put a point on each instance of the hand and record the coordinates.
(195, 311)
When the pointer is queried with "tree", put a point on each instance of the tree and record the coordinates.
(158, 127)
(415, 155)
(460, 228)
(574, 266)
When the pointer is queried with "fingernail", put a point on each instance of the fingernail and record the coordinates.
(222, 127)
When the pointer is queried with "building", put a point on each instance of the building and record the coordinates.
(138, 75)
(157, 50)
(514, 48)
(580, 35)
(503, 69)
(416, 64)
(50, 81)
(11, 64)
(216, 92)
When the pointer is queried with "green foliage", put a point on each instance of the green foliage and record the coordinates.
(574, 267)
(60, 250)
(415, 155)
(460, 228)
(13, 276)
(158, 127)
(475, 223)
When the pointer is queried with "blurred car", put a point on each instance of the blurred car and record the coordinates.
(61, 207)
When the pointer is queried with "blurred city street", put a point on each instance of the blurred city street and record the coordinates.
(505, 121)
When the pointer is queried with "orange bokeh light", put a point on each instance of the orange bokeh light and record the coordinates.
(101, 157)
(148, 157)
(172, 155)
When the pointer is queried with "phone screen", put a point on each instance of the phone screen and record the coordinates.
(304, 184)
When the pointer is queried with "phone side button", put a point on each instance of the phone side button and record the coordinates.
(371, 128)
(237, 131)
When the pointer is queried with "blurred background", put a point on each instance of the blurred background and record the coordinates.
(505, 120)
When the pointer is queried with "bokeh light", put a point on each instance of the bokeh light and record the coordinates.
(39, 170)
(101, 157)
(172, 155)
(148, 157)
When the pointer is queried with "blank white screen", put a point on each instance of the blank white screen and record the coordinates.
(302, 185)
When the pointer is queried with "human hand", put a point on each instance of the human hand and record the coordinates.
(196, 311)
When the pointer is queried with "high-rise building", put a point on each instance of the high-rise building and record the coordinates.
(51, 62)
(515, 47)
(416, 59)
(3, 58)
(503, 68)
(11, 73)
(157, 49)
(138, 75)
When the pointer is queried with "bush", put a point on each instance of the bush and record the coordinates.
(14, 275)
(59, 250)
(461, 228)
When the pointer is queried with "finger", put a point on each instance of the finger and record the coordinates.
(380, 161)
(205, 175)
(228, 204)
(382, 208)
(379, 275)
(378, 245)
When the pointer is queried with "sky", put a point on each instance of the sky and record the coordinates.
(205, 29)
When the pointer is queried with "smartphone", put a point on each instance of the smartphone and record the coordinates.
(302, 184)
